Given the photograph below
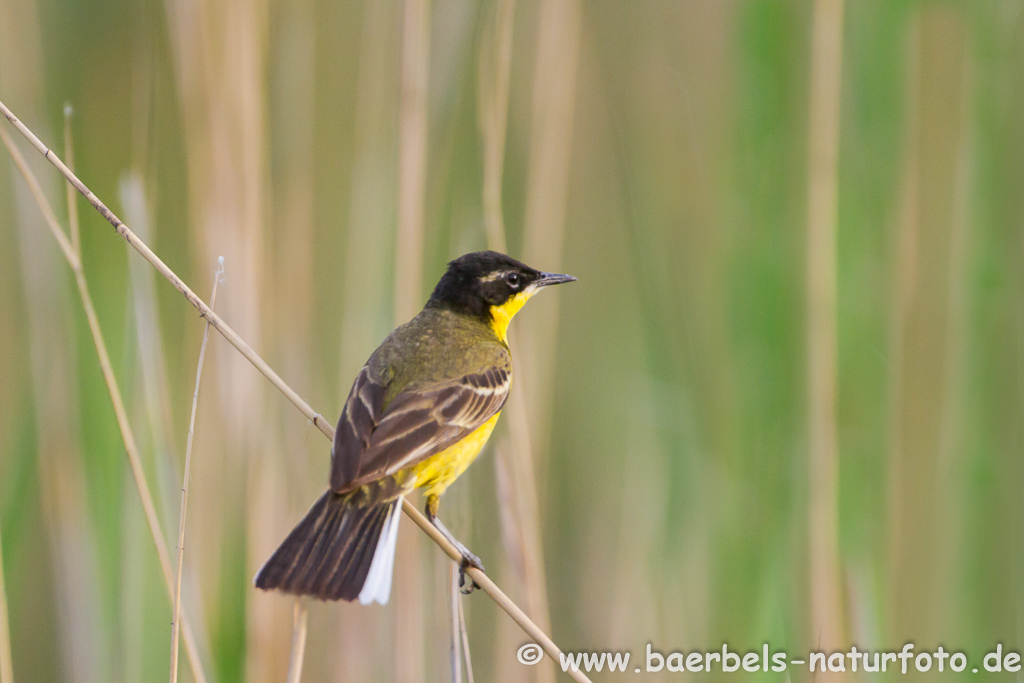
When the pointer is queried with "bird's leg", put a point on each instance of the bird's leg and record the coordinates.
(468, 558)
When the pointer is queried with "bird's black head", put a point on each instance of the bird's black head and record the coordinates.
(490, 286)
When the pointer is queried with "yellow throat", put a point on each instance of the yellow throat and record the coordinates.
(502, 315)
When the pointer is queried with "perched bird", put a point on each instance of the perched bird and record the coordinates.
(418, 414)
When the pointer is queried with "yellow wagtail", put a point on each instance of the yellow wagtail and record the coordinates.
(418, 414)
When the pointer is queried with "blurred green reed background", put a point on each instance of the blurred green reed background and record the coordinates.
(667, 472)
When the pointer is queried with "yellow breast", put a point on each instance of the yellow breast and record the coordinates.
(438, 471)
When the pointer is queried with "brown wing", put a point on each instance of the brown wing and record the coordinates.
(359, 418)
(372, 442)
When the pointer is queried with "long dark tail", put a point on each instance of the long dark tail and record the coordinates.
(339, 551)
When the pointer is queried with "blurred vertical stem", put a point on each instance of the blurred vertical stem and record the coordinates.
(176, 602)
(134, 461)
(412, 157)
(954, 400)
(493, 78)
(6, 668)
(924, 512)
(298, 642)
(493, 82)
(552, 120)
(150, 347)
(551, 135)
(822, 217)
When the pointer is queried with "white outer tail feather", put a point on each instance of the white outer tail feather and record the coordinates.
(377, 587)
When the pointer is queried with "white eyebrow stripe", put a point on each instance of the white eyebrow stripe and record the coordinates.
(495, 276)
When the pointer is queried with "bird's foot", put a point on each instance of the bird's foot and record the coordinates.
(468, 560)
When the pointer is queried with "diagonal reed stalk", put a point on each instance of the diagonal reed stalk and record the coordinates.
(481, 578)
(74, 260)
(176, 603)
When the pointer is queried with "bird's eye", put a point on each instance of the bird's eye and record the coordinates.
(512, 279)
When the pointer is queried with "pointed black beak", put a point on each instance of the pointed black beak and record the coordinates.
(553, 279)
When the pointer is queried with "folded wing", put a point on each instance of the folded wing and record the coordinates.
(372, 441)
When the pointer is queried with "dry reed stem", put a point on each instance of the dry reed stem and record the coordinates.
(298, 642)
(176, 602)
(494, 71)
(6, 667)
(455, 654)
(822, 215)
(923, 503)
(465, 642)
(412, 160)
(106, 367)
(552, 122)
(412, 163)
(486, 584)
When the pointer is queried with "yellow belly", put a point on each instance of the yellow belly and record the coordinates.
(438, 471)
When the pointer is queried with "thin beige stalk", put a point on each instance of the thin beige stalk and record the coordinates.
(823, 444)
(481, 579)
(6, 668)
(455, 654)
(120, 413)
(465, 643)
(176, 603)
(298, 642)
